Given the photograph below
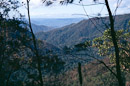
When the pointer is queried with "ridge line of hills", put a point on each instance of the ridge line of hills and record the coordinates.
(79, 32)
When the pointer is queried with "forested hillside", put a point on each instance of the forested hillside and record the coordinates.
(92, 52)
(79, 32)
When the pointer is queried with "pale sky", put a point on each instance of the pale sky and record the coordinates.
(39, 10)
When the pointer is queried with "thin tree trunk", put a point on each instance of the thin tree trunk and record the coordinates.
(35, 46)
(113, 34)
(80, 74)
(7, 82)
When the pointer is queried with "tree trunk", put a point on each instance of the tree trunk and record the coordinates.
(80, 74)
(7, 82)
(35, 47)
(113, 34)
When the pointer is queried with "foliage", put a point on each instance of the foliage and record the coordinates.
(8, 7)
(17, 59)
(14, 41)
(106, 47)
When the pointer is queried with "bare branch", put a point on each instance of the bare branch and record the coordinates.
(91, 19)
(88, 4)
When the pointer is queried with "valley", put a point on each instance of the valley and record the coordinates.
(73, 34)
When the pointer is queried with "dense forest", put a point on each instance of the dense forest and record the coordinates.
(88, 52)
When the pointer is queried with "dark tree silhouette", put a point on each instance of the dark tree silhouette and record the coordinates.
(114, 39)
(80, 73)
(35, 46)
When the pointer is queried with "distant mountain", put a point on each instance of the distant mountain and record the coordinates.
(41, 28)
(86, 29)
(55, 22)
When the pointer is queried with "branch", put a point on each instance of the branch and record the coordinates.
(88, 4)
(118, 4)
(91, 19)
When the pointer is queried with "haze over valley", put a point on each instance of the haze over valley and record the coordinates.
(64, 43)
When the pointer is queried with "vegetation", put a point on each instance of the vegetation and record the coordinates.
(73, 34)
(81, 60)
(105, 46)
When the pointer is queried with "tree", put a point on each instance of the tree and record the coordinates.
(35, 46)
(105, 46)
(54, 63)
(21, 54)
(14, 42)
(7, 7)
(114, 39)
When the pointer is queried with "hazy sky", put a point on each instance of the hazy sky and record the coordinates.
(39, 10)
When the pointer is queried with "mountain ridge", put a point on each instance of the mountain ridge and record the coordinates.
(55, 22)
(40, 28)
(86, 29)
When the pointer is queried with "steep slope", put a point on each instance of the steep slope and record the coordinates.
(86, 29)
